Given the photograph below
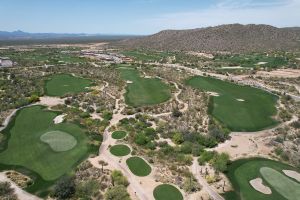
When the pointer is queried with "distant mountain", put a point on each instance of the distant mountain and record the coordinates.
(20, 35)
(232, 38)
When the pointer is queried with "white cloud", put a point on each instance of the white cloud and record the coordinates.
(279, 13)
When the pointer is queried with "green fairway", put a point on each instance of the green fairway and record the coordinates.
(25, 148)
(144, 91)
(118, 135)
(138, 166)
(240, 108)
(59, 141)
(61, 84)
(240, 172)
(167, 192)
(120, 150)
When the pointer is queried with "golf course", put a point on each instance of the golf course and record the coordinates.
(120, 150)
(167, 192)
(38, 147)
(143, 91)
(278, 184)
(117, 135)
(138, 166)
(61, 84)
(240, 108)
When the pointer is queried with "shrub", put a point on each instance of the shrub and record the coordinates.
(64, 188)
(178, 138)
(118, 192)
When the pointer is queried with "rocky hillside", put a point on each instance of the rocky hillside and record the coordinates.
(233, 38)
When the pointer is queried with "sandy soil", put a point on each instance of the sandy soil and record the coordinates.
(240, 99)
(258, 185)
(59, 119)
(21, 194)
(293, 174)
(51, 101)
(284, 73)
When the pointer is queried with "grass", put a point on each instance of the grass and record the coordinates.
(251, 60)
(120, 150)
(62, 84)
(167, 192)
(59, 141)
(25, 152)
(240, 172)
(138, 166)
(149, 56)
(288, 188)
(118, 135)
(144, 91)
(253, 114)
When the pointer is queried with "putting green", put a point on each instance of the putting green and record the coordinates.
(120, 150)
(138, 166)
(61, 84)
(241, 172)
(24, 147)
(240, 108)
(281, 183)
(167, 192)
(118, 135)
(59, 141)
(144, 91)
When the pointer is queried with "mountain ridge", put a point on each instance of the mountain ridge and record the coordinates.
(229, 37)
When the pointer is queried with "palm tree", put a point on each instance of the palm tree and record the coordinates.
(102, 163)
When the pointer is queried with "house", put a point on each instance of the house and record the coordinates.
(6, 62)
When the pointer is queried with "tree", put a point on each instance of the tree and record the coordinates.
(64, 188)
(178, 138)
(102, 163)
(118, 192)
(88, 189)
(141, 139)
(33, 98)
(220, 162)
(6, 192)
(176, 113)
(117, 178)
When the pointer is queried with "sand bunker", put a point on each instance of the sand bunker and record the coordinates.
(129, 82)
(262, 63)
(258, 185)
(59, 119)
(240, 99)
(215, 94)
(232, 67)
(293, 174)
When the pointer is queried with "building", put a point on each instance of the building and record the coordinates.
(6, 62)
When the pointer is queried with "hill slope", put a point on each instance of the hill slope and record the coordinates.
(233, 37)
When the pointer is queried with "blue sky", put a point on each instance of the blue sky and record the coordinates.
(141, 16)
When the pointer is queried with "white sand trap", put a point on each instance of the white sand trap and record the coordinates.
(293, 174)
(262, 63)
(240, 99)
(147, 77)
(129, 82)
(297, 58)
(258, 185)
(59, 119)
(215, 94)
(232, 67)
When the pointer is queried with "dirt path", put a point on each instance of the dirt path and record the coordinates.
(21, 194)
(205, 186)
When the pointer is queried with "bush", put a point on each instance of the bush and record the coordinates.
(117, 178)
(220, 162)
(7, 192)
(118, 192)
(64, 188)
(178, 138)
(205, 157)
(141, 139)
